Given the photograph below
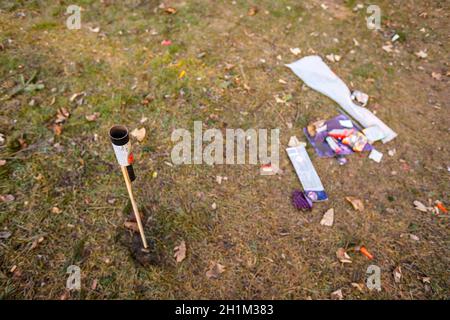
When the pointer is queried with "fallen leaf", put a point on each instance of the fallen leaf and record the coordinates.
(420, 206)
(397, 274)
(57, 129)
(36, 242)
(65, 295)
(5, 234)
(426, 280)
(337, 295)
(7, 198)
(252, 11)
(387, 48)
(392, 152)
(180, 252)
(421, 54)
(356, 203)
(182, 74)
(133, 226)
(414, 237)
(2, 139)
(2, 163)
(358, 286)
(328, 218)
(214, 206)
(139, 134)
(295, 51)
(56, 210)
(436, 75)
(342, 256)
(61, 115)
(22, 142)
(93, 116)
(170, 10)
(76, 95)
(333, 57)
(94, 284)
(215, 269)
(94, 29)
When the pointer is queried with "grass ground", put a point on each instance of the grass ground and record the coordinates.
(232, 63)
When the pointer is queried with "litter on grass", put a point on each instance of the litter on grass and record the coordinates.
(312, 186)
(301, 201)
(317, 75)
(338, 136)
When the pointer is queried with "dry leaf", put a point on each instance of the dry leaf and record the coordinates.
(94, 29)
(397, 274)
(133, 226)
(343, 256)
(5, 234)
(215, 269)
(387, 48)
(436, 75)
(328, 218)
(76, 96)
(337, 295)
(333, 57)
(65, 295)
(252, 11)
(93, 116)
(56, 210)
(170, 10)
(295, 51)
(356, 203)
(36, 242)
(426, 279)
(421, 54)
(180, 252)
(420, 206)
(61, 115)
(143, 119)
(2, 163)
(57, 129)
(358, 286)
(7, 198)
(139, 134)
(414, 237)
(23, 143)
(94, 284)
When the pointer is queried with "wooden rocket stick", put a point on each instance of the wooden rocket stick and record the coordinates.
(133, 204)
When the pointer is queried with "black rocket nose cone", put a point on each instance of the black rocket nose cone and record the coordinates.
(119, 135)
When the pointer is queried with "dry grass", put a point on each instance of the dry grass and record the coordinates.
(269, 249)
